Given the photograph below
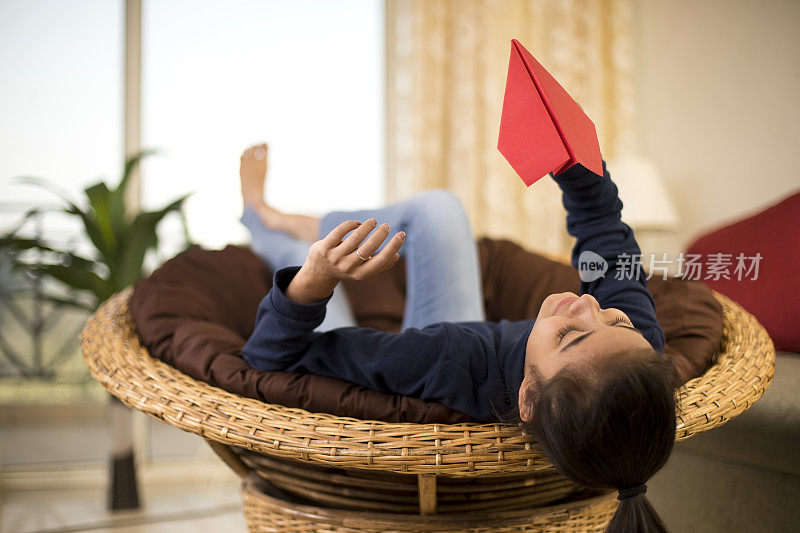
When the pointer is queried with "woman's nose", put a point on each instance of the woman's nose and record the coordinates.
(585, 307)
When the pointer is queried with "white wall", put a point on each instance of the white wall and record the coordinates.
(719, 101)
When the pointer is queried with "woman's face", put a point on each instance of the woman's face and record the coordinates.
(570, 329)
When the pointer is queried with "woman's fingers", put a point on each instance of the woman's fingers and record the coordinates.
(334, 238)
(339, 258)
(383, 260)
(353, 240)
(373, 242)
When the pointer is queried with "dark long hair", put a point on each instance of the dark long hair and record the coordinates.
(610, 425)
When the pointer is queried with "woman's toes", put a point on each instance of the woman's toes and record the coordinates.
(255, 156)
(260, 152)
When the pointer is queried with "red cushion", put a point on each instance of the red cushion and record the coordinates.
(774, 295)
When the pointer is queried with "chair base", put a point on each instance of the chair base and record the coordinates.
(266, 509)
(389, 492)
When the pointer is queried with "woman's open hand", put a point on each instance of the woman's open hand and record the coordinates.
(331, 259)
(336, 258)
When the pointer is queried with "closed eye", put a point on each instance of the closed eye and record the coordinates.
(563, 332)
(621, 320)
(624, 322)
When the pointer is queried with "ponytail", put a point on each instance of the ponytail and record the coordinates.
(636, 514)
(610, 427)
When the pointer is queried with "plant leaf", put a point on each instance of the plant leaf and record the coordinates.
(48, 185)
(69, 303)
(132, 162)
(94, 233)
(118, 212)
(100, 199)
(18, 244)
(187, 237)
(80, 278)
(118, 194)
(141, 237)
(30, 213)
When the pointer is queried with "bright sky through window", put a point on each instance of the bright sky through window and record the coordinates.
(61, 65)
(304, 76)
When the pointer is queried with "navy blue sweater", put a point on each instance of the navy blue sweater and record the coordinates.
(472, 367)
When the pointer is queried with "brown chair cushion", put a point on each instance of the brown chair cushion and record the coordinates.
(196, 312)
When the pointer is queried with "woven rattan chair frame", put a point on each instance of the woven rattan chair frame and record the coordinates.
(265, 512)
(742, 372)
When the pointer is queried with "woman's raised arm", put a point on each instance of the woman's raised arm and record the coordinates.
(604, 241)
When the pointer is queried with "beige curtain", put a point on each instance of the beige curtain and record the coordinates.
(446, 69)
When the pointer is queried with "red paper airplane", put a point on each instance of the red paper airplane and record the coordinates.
(542, 128)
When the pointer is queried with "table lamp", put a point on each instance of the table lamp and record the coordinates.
(646, 203)
(648, 209)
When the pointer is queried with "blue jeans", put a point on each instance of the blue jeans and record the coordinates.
(442, 270)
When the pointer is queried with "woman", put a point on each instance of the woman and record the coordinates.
(587, 378)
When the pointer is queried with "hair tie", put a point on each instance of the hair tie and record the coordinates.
(630, 492)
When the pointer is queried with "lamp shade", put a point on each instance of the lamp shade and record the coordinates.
(646, 203)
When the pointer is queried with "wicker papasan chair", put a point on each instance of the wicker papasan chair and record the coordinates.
(333, 456)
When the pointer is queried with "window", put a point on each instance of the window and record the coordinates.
(306, 77)
(61, 65)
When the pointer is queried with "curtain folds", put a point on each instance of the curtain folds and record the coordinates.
(446, 69)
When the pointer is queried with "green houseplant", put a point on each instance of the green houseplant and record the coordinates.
(120, 240)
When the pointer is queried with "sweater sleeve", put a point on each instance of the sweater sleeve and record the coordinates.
(594, 219)
(415, 362)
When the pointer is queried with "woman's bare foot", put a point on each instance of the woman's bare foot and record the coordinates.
(252, 173)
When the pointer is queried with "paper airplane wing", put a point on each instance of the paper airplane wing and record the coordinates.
(542, 129)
